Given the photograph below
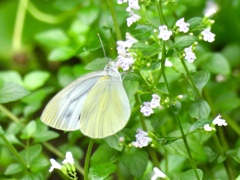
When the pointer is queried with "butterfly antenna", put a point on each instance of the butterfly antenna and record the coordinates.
(101, 44)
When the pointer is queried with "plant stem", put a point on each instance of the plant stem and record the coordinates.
(160, 13)
(18, 27)
(87, 160)
(115, 22)
(9, 114)
(187, 147)
(190, 78)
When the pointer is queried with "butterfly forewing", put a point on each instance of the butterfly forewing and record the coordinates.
(106, 109)
(64, 110)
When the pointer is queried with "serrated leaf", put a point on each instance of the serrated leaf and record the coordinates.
(62, 53)
(11, 92)
(113, 141)
(29, 130)
(201, 78)
(35, 79)
(190, 175)
(198, 125)
(13, 168)
(195, 22)
(53, 38)
(100, 172)
(178, 147)
(215, 63)
(141, 32)
(199, 109)
(135, 161)
(11, 76)
(184, 42)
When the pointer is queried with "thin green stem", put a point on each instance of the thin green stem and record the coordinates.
(9, 114)
(19, 22)
(190, 78)
(187, 147)
(87, 160)
(115, 22)
(14, 151)
(160, 13)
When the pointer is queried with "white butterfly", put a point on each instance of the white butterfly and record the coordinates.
(96, 103)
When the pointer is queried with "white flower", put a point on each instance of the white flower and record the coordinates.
(121, 139)
(164, 33)
(130, 40)
(183, 26)
(132, 18)
(207, 127)
(69, 158)
(142, 139)
(132, 4)
(211, 8)
(158, 174)
(155, 102)
(189, 54)
(55, 165)
(146, 109)
(220, 122)
(207, 35)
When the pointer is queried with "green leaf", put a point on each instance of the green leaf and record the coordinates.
(178, 147)
(11, 92)
(141, 32)
(201, 78)
(199, 109)
(53, 38)
(29, 130)
(198, 125)
(135, 161)
(235, 154)
(13, 168)
(190, 175)
(11, 76)
(1, 130)
(61, 53)
(101, 171)
(195, 22)
(35, 79)
(215, 63)
(31, 153)
(131, 88)
(97, 64)
(113, 141)
(184, 42)
(147, 49)
(39, 164)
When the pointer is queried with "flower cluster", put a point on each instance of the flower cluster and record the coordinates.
(132, 6)
(142, 139)
(183, 26)
(68, 168)
(158, 174)
(147, 107)
(164, 33)
(217, 121)
(125, 59)
(189, 54)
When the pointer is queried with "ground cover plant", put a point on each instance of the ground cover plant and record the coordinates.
(179, 65)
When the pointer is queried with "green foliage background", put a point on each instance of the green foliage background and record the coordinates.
(59, 38)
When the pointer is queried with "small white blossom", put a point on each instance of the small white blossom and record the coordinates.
(155, 102)
(220, 78)
(142, 139)
(158, 174)
(69, 158)
(183, 26)
(220, 122)
(121, 139)
(211, 8)
(130, 40)
(189, 54)
(55, 165)
(207, 127)
(207, 35)
(164, 33)
(132, 18)
(146, 109)
(132, 4)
